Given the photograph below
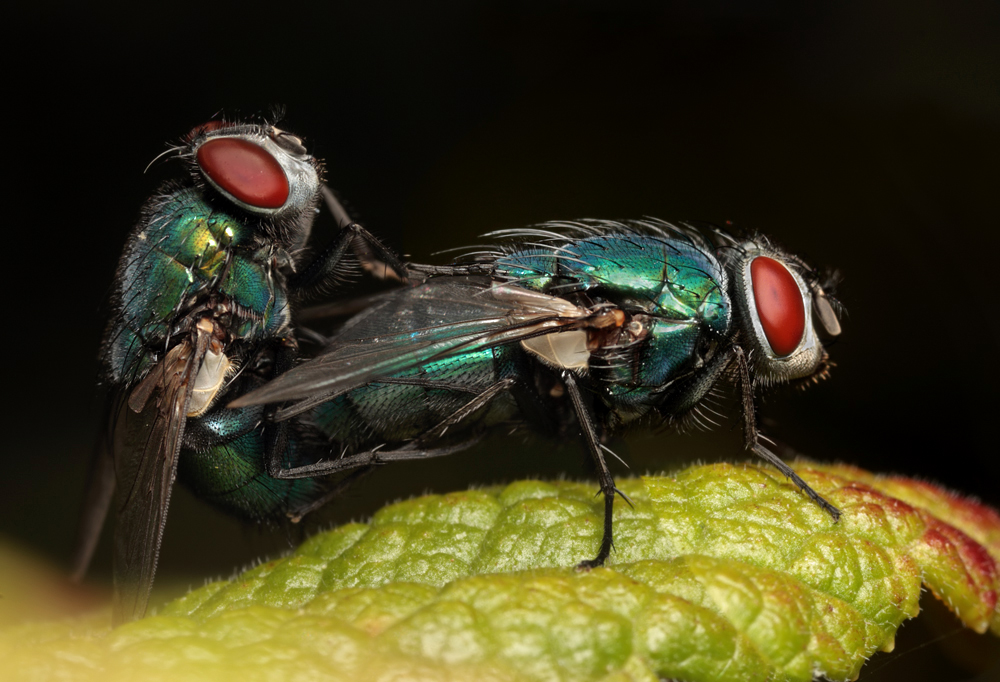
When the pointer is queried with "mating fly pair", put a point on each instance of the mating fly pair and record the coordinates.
(592, 327)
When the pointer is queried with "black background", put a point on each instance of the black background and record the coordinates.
(862, 137)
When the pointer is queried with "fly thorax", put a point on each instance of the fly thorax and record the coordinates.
(775, 304)
(256, 297)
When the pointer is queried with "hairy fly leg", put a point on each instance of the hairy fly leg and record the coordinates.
(373, 255)
(608, 490)
(466, 411)
(371, 457)
(751, 435)
(388, 267)
(365, 462)
(421, 448)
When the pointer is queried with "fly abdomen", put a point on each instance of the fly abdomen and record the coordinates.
(408, 405)
(224, 463)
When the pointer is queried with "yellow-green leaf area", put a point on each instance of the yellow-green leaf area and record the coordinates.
(722, 572)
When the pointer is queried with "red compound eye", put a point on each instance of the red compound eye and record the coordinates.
(779, 302)
(244, 170)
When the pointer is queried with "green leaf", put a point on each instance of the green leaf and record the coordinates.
(720, 573)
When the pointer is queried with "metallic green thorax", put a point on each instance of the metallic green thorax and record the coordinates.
(184, 250)
(679, 284)
(670, 279)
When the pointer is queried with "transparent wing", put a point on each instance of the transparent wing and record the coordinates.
(147, 431)
(407, 327)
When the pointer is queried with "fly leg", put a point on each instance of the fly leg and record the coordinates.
(467, 410)
(415, 450)
(334, 206)
(325, 264)
(362, 459)
(385, 268)
(608, 489)
(351, 235)
(751, 437)
(372, 254)
(364, 463)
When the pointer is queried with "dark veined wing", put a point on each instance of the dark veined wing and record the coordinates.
(408, 327)
(146, 438)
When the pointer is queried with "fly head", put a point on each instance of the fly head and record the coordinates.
(782, 311)
(262, 170)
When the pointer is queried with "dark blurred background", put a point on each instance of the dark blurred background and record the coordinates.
(864, 138)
